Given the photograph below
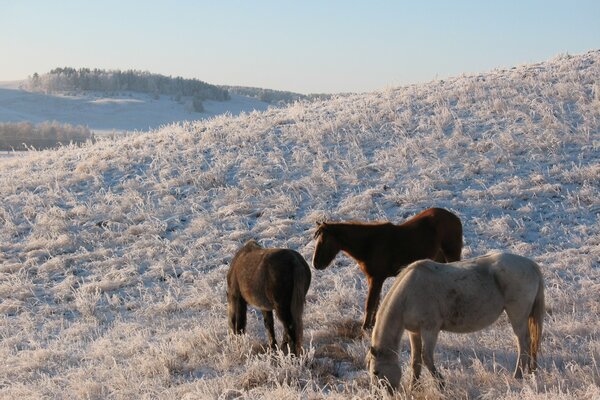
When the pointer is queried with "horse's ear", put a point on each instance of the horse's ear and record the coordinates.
(320, 227)
(252, 243)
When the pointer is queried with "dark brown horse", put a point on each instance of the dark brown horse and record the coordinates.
(269, 279)
(383, 249)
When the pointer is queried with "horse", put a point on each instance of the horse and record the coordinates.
(269, 279)
(383, 249)
(465, 296)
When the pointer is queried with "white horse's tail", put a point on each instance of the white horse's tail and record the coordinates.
(536, 322)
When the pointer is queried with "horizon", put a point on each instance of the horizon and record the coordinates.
(304, 48)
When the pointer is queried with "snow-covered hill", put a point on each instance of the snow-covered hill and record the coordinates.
(113, 256)
(103, 113)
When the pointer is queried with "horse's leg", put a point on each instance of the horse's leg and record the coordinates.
(237, 314)
(270, 327)
(518, 320)
(372, 303)
(415, 356)
(429, 338)
(288, 342)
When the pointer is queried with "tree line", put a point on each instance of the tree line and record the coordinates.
(24, 135)
(69, 79)
(275, 97)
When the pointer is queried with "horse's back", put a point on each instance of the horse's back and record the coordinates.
(463, 296)
(513, 276)
(440, 228)
(265, 276)
(513, 262)
(517, 276)
(287, 264)
(464, 279)
(437, 216)
(506, 268)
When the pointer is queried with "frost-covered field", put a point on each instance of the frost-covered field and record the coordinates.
(113, 256)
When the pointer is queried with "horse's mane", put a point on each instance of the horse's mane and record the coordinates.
(323, 227)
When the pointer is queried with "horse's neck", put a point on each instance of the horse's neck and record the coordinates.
(352, 237)
(388, 328)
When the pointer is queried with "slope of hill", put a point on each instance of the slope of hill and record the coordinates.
(113, 256)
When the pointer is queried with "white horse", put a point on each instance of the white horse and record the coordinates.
(463, 296)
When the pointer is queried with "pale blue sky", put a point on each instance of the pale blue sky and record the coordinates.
(303, 46)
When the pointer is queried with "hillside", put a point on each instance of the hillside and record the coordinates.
(113, 256)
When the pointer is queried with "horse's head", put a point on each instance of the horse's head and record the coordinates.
(383, 368)
(326, 246)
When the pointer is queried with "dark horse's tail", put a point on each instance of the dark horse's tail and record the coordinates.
(450, 234)
(302, 277)
(536, 322)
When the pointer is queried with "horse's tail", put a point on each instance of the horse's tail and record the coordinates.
(451, 240)
(302, 277)
(536, 322)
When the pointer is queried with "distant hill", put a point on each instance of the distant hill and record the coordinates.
(111, 81)
(69, 79)
(114, 111)
(276, 97)
(114, 100)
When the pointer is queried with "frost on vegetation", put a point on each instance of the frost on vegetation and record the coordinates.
(113, 255)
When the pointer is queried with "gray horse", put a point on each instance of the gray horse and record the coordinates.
(464, 296)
